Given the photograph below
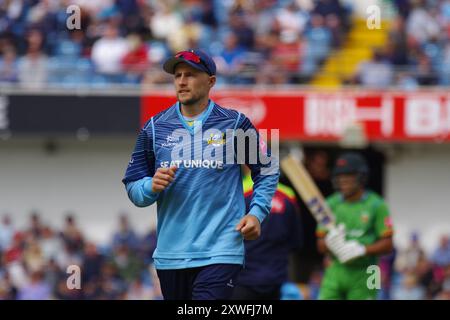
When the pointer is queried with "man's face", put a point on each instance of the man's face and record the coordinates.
(191, 85)
(347, 184)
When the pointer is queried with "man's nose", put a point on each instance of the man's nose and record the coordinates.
(182, 80)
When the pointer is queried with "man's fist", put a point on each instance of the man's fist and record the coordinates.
(249, 227)
(162, 178)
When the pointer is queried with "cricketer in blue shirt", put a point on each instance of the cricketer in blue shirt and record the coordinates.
(201, 206)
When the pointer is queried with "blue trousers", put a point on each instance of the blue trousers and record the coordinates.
(211, 282)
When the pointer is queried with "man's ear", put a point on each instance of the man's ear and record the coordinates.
(212, 81)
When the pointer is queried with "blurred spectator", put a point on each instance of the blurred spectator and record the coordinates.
(205, 14)
(8, 66)
(112, 285)
(423, 71)
(186, 36)
(67, 256)
(37, 289)
(239, 25)
(270, 74)
(157, 293)
(335, 18)
(376, 73)
(263, 17)
(136, 60)
(130, 12)
(63, 292)
(409, 289)
(7, 289)
(284, 61)
(127, 263)
(444, 293)
(336, 29)
(406, 81)
(50, 243)
(403, 7)
(92, 290)
(421, 25)
(125, 236)
(53, 273)
(327, 7)
(444, 70)
(229, 62)
(441, 257)
(33, 258)
(291, 19)
(318, 38)
(33, 67)
(92, 263)
(6, 233)
(107, 54)
(36, 227)
(94, 7)
(425, 277)
(71, 235)
(18, 274)
(148, 246)
(138, 290)
(397, 46)
(409, 258)
(15, 251)
(165, 20)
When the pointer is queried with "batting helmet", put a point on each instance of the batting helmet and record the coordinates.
(349, 163)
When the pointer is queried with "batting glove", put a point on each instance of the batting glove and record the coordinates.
(350, 250)
(335, 239)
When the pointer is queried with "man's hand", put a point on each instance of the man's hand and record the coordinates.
(162, 178)
(352, 249)
(249, 227)
(335, 239)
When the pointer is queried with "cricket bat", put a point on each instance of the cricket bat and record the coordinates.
(308, 191)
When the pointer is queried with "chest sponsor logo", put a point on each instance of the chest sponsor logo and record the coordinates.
(171, 141)
(216, 140)
(207, 164)
(355, 233)
(214, 148)
(365, 217)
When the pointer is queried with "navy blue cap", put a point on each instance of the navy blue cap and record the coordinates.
(196, 58)
(349, 163)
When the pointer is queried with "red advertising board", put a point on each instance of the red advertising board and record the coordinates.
(320, 116)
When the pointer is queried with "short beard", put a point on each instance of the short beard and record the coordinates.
(191, 101)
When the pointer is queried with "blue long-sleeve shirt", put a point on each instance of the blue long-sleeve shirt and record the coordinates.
(198, 212)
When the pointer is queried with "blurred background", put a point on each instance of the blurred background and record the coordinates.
(330, 75)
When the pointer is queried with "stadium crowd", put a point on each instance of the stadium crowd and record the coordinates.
(254, 42)
(34, 261)
(124, 41)
(417, 52)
